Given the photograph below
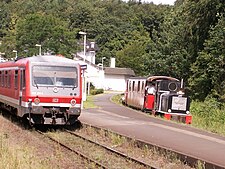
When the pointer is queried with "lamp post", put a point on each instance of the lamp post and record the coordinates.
(2, 53)
(84, 34)
(15, 51)
(39, 48)
(1, 59)
(102, 62)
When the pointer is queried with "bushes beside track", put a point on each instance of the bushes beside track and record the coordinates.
(96, 91)
(209, 115)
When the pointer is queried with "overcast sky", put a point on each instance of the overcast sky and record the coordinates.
(170, 2)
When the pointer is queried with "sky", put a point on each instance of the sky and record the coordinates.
(168, 2)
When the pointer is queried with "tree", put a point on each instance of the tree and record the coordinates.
(209, 68)
(52, 33)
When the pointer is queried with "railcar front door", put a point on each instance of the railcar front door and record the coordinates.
(21, 88)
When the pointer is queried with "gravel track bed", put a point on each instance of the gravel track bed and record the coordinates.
(95, 152)
(31, 150)
(149, 156)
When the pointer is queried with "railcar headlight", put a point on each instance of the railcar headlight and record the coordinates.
(73, 102)
(187, 112)
(36, 101)
(169, 110)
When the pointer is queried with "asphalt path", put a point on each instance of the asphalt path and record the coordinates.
(179, 137)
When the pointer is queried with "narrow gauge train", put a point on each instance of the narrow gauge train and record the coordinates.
(159, 95)
(42, 89)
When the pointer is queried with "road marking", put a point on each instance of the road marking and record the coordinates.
(112, 114)
(188, 133)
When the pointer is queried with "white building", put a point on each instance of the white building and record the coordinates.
(107, 78)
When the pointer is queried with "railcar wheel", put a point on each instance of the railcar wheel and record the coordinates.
(25, 122)
(72, 119)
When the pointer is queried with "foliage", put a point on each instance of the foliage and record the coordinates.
(184, 41)
(45, 30)
(97, 91)
(209, 115)
(208, 70)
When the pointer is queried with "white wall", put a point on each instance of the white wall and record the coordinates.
(115, 82)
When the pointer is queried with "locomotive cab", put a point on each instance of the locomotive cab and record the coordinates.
(159, 95)
(171, 101)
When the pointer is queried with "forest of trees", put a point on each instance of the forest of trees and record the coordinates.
(186, 40)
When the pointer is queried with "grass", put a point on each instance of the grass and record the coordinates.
(17, 157)
(89, 102)
(117, 99)
(209, 115)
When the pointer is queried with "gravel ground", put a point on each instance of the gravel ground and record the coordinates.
(30, 150)
(149, 156)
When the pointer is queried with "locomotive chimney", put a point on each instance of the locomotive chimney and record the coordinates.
(182, 84)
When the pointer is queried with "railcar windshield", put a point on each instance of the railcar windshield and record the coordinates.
(169, 85)
(60, 76)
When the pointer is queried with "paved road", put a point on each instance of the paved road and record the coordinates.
(178, 137)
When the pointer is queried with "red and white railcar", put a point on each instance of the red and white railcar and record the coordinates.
(42, 89)
(159, 95)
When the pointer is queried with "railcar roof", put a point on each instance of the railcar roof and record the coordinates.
(47, 58)
(154, 78)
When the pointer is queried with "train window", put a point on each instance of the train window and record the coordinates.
(129, 85)
(2, 84)
(143, 86)
(0, 78)
(60, 76)
(5, 79)
(16, 79)
(9, 79)
(23, 79)
(139, 87)
(133, 85)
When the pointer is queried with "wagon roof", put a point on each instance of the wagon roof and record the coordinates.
(49, 58)
(154, 78)
(46, 58)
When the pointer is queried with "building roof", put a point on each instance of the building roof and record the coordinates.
(119, 71)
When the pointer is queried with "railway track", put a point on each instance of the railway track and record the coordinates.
(113, 151)
(97, 164)
(184, 158)
(119, 157)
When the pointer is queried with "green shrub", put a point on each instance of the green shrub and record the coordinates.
(97, 91)
(209, 115)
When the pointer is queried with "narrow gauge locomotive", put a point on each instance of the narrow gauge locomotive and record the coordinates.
(42, 89)
(159, 95)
